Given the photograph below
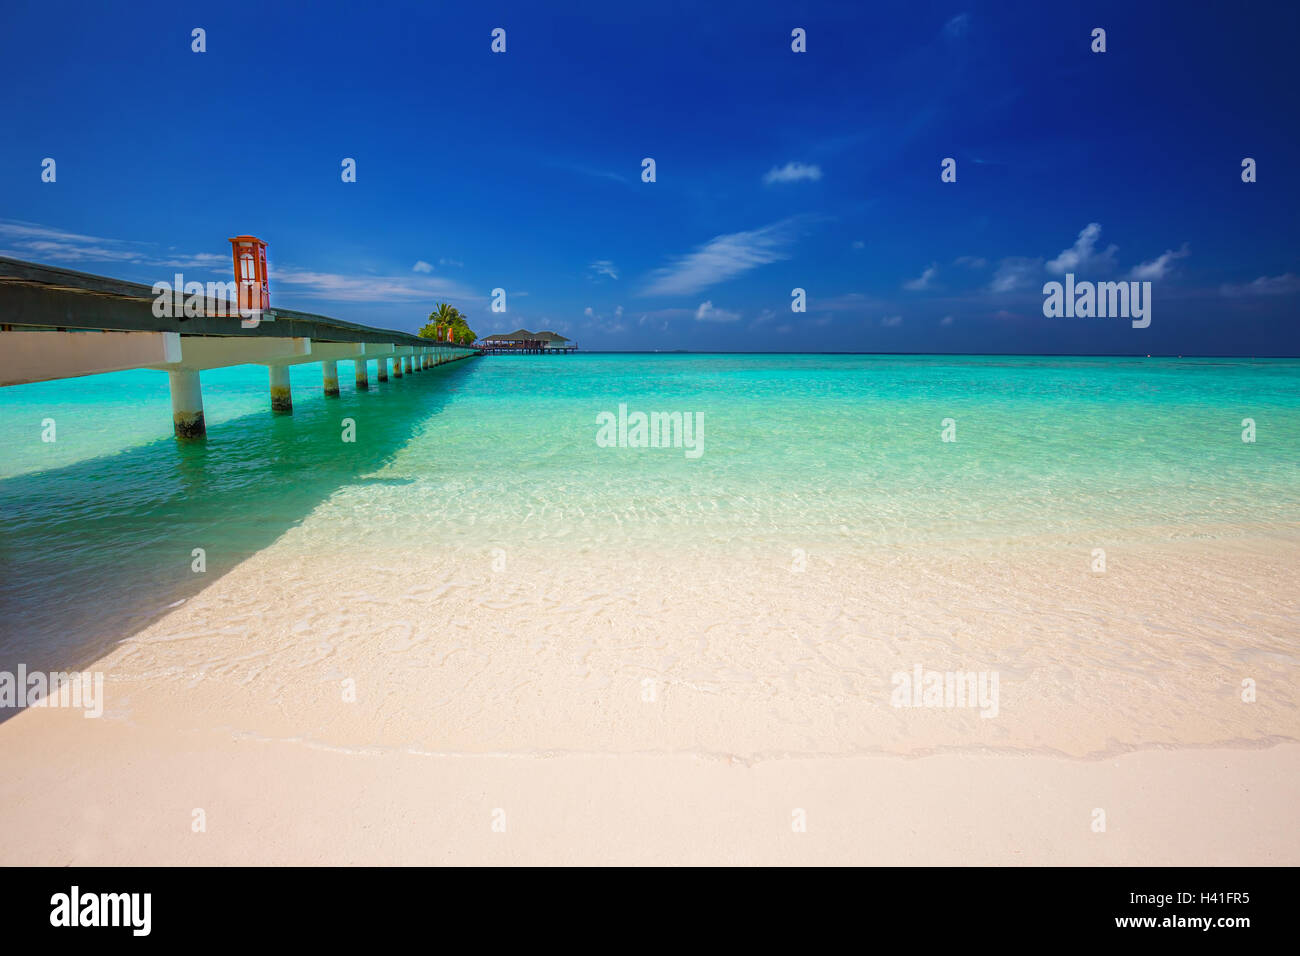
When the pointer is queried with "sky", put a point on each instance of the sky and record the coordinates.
(775, 170)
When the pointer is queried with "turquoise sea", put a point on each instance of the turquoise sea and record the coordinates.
(97, 528)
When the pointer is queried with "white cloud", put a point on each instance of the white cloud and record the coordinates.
(957, 26)
(923, 281)
(1083, 255)
(722, 258)
(707, 313)
(618, 312)
(605, 268)
(589, 312)
(366, 288)
(595, 173)
(27, 240)
(1014, 273)
(792, 173)
(947, 320)
(972, 262)
(891, 321)
(859, 244)
(1158, 267)
(453, 262)
(1264, 285)
(421, 266)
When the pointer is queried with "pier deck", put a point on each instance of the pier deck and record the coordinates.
(58, 323)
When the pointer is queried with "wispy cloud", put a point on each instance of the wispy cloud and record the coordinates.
(1265, 285)
(451, 262)
(1158, 267)
(792, 173)
(365, 288)
(971, 262)
(29, 241)
(25, 240)
(892, 321)
(603, 267)
(592, 172)
(1083, 255)
(957, 26)
(922, 282)
(707, 313)
(1016, 272)
(724, 257)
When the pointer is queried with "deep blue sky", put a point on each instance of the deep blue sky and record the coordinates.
(522, 170)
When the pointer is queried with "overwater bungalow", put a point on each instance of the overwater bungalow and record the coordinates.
(522, 340)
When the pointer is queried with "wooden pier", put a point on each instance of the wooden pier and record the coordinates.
(57, 323)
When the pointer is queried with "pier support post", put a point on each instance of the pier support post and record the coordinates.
(363, 379)
(330, 378)
(187, 405)
(281, 396)
(382, 365)
(397, 366)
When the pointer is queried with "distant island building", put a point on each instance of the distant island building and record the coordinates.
(521, 340)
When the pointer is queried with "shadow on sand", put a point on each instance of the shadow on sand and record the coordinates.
(92, 553)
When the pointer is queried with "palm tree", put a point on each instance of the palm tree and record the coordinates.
(447, 318)
(445, 314)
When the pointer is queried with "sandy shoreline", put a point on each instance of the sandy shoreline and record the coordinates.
(114, 794)
(631, 707)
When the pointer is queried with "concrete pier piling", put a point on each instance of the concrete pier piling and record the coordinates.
(382, 365)
(281, 396)
(187, 405)
(363, 378)
(397, 366)
(330, 378)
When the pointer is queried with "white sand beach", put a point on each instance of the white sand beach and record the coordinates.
(685, 708)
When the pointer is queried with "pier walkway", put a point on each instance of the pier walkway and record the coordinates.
(57, 323)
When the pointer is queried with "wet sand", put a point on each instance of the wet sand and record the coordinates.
(117, 794)
(645, 706)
